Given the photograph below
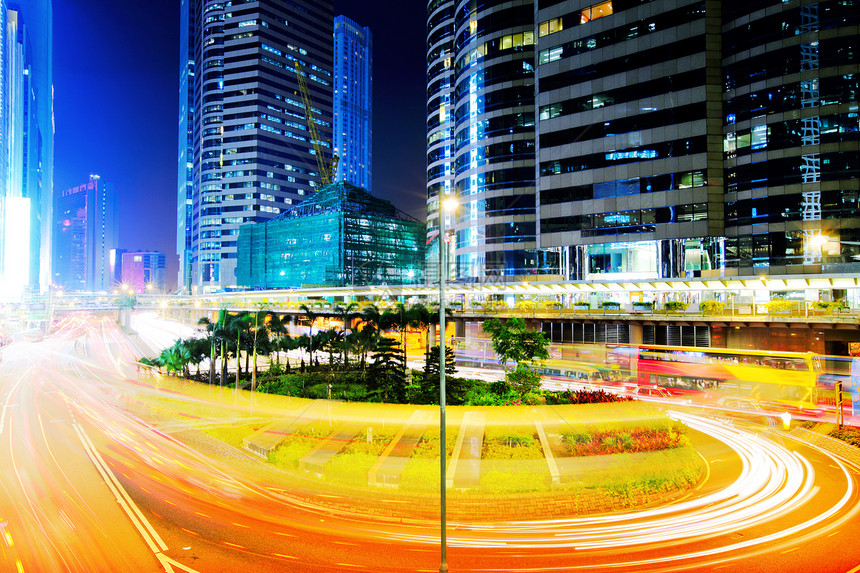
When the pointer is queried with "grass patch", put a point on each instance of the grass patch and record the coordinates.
(232, 435)
(847, 434)
(511, 444)
(287, 455)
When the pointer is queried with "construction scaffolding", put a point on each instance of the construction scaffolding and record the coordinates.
(340, 236)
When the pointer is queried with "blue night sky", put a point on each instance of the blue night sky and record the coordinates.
(116, 70)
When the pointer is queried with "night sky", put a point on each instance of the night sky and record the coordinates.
(116, 95)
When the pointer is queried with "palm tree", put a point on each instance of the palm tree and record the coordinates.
(400, 319)
(312, 316)
(238, 324)
(199, 349)
(214, 332)
(373, 316)
(422, 318)
(330, 340)
(176, 358)
(363, 341)
(261, 336)
(278, 327)
(347, 314)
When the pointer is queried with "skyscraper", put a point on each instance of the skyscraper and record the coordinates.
(26, 145)
(481, 142)
(672, 139)
(353, 105)
(85, 233)
(251, 152)
(630, 137)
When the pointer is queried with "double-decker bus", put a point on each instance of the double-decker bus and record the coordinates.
(572, 370)
(786, 378)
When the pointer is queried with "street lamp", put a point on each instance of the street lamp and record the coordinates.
(445, 204)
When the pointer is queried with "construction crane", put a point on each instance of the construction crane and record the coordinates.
(327, 172)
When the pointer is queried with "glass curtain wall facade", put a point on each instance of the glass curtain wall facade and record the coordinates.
(353, 102)
(481, 143)
(185, 166)
(252, 155)
(668, 138)
(342, 236)
(791, 136)
(85, 234)
(26, 146)
(629, 137)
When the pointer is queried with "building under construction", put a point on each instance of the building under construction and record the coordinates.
(340, 236)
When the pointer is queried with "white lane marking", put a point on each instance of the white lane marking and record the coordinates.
(150, 536)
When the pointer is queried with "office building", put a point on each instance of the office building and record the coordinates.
(671, 139)
(341, 236)
(246, 135)
(792, 137)
(481, 141)
(144, 271)
(353, 105)
(85, 233)
(26, 146)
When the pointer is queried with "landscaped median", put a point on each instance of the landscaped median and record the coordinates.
(501, 461)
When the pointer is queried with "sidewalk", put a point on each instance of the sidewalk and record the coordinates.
(818, 437)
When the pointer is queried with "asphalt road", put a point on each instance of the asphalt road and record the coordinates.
(88, 482)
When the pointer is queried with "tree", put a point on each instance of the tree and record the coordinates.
(363, 341)
(388, 368)
(176, 358)
(429, 388)
(523, 379)
(512, 340)
(346, 313)
(278, 327)
(215, 335)
(261, 337)
(311, 319)
(198, 349)
(238, 324)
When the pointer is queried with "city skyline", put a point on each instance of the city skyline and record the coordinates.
(126, 129)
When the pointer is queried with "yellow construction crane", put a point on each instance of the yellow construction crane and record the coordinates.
(327, 172)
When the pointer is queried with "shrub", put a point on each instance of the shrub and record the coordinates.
(527, 305)
(712, 306)
(829, 306)
(778, 305)
(583, 397)
(523, 380)
(554, 304)
(610, 304)
(675, 305)
(643, 305)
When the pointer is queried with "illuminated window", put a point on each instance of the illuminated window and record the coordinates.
(551, 26)
(596, 11)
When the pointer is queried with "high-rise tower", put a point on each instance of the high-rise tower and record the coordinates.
(353, 105)
(251, 150)
(667, 138)
(26, 145)
(85, 233)
(481, 142)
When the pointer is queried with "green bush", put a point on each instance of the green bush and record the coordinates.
(643, 305)
(829, 306)
(778, 305)
(527, 305)
(712, 306)
(675, 305)
(610, 304)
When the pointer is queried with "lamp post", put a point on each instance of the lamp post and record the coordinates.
(443, 251)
